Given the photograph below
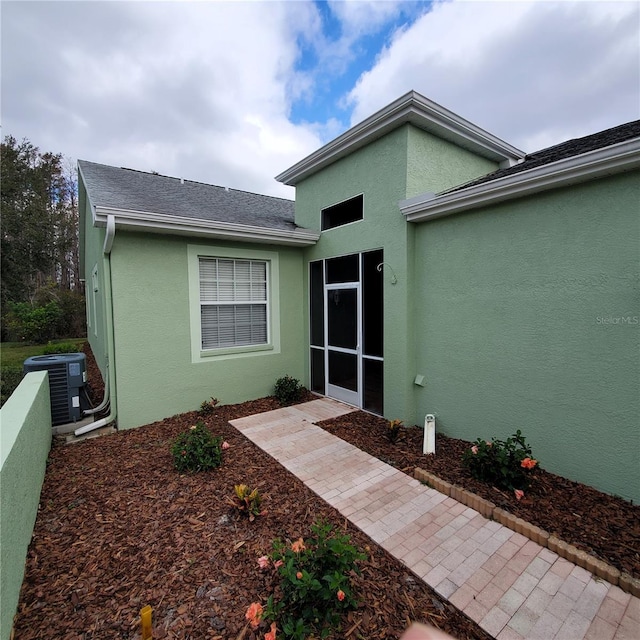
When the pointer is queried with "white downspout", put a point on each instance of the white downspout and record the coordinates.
(105, 398)
(110, 383)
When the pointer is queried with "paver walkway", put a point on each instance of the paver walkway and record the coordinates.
(511, 586)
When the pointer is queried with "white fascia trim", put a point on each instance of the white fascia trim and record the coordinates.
(147, 221)
(617, 158)
(411, 108)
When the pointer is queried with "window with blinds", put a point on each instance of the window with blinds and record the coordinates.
(233, 302)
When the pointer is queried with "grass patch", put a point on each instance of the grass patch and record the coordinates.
(13, 355)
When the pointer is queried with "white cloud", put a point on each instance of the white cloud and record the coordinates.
(204, 90)
(531, 73)
(360, 17)
(192, 89)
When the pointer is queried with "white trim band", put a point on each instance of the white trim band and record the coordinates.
(410, 108)
(146, 221)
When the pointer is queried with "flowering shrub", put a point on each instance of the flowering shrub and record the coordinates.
(247, 500)
(506, 464)
(208, 406)
(393, 430)
(196, 450)
(287, 390)
(315, 586)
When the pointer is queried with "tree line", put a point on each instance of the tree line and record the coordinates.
(41, 292)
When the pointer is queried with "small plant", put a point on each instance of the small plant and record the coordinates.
(506, 464)
(207, 407)
(315, 583)
(393, 430)
(287, 390)
(247, 500)
(196, 450)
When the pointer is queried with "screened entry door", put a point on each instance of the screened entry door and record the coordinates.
(346, 329)
(343, 327)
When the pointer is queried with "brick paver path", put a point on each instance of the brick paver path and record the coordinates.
(511, 586)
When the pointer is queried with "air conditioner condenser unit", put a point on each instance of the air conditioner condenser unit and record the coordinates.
(67, 378)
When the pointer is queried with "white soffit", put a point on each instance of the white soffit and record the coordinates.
(417, 110)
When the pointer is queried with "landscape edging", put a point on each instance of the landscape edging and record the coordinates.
(488, 509)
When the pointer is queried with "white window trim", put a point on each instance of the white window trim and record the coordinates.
(346, 224)
(194, 253)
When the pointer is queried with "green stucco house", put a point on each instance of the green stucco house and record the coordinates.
(426, 267)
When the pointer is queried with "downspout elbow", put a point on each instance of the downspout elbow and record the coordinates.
(109, 235)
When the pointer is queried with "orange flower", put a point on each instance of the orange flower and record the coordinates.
(254, 614)
(528, 463)
(278, 563)
(474, 449)
(299, 575)
(519, 494)
(263, 562)
(271, 635)
(298, 546)
(340, 595)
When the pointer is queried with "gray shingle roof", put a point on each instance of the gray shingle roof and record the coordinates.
(132, 190)
(568, 149)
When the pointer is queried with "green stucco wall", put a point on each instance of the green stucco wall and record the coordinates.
(25, 439)
(157, 372)
(528, 317)
(92, 242)
(434, 164)
(399, 165)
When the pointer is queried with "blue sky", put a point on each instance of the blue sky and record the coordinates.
(233, 93)
(326, 102)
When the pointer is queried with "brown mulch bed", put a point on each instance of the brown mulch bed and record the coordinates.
(118, 528)
(603, 525)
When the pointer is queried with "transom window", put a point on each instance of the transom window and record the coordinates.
(343, 213)
(233, 302)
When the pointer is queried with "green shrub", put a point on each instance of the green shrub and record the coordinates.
(36, 324)
(315, 584)
(60, 347)
(505, 464)
(10, 378)
(196, 450)
(287, 390)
